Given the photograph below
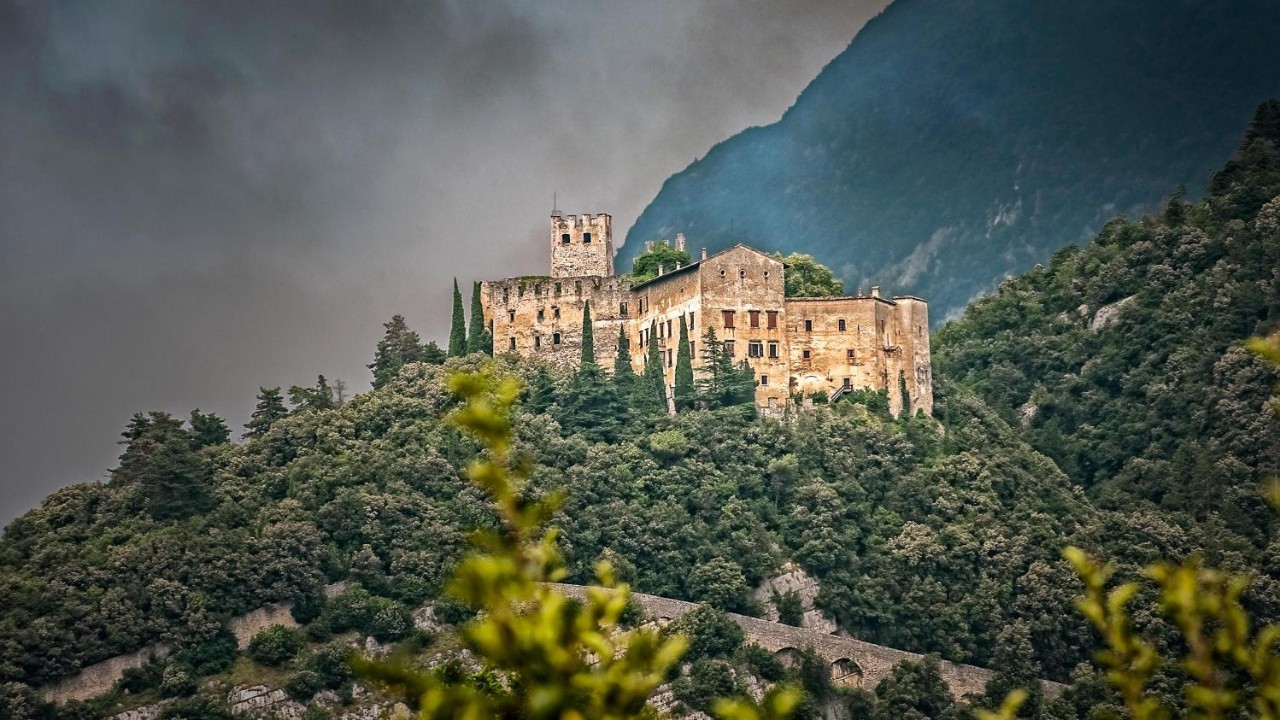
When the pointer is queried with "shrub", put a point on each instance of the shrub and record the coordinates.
(139, 679)
(303, 685)
(390, 623)
(330, 664)
(177, 680)
(452, 611)
(707, 680)
(764, 664)
(711, 633)
(199, 707)
(790, 608)
(275, 646)
(308, 606)
(211, 655)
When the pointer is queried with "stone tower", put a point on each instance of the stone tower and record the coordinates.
(581, 245)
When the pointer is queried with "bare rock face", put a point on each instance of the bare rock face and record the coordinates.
(1107, 314)
(263, 701)
(794, 579)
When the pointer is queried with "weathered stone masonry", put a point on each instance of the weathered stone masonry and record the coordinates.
(796, 346)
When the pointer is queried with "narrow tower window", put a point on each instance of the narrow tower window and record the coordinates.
(564, 239)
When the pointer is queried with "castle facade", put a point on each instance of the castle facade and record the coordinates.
(796, 346)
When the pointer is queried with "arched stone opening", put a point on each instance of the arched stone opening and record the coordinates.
(788, 656)
(844, 671)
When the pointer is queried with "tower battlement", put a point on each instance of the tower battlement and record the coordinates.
(581, 245)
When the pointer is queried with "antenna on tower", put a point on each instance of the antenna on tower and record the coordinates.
(555, 211)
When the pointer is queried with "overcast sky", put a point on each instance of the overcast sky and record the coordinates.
(200, 198)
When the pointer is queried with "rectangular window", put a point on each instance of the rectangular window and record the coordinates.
(728, 319)
(773, 319)
(511, 316)
(555, 339)
(669, 329)
(847, 386)
(773, 350)
(537, 341)
(564, 239)
(754, 316)
(808, 326)
(841, 323)
(586, 238)
(728, 348)
(541, 314)
(659, 331)
(577, 286)
(668, 357)
(764, 379)
(555, 313)
(513, 344)
(692, 354)
(557, 288)
(691, 327)
(755, 349)
(622, 309)
(506, 295)
(848, 355)
(806, 355)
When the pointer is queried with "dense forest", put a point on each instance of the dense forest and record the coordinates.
(1137, 434)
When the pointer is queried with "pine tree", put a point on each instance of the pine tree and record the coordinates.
(400, 345)
(478, 337)
(270, 409)
(588, 336)
(684, 370)
(654, 392)
(208, 429)
(318, 398)
(457, 330)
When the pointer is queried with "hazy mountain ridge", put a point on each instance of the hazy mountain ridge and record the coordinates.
(955, 142)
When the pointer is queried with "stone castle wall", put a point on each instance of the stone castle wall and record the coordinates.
(796, 346)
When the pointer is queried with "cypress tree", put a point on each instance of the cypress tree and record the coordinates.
(684, 370)
(622, 371)
(478, 337)
(905, 394)
(458, 330)
(588, 336)
(655, 386)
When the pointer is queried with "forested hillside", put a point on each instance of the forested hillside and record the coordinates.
(1124, 360)
(954, 142)
(1104, 401)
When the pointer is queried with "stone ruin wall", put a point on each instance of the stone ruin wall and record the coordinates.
(578, 258)
(523, 297)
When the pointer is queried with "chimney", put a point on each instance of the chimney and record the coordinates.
(678, 264)
(661, 270)
(679, 241)
(704, 253)
(875, 291)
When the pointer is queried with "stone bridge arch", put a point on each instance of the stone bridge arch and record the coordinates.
(873, 662)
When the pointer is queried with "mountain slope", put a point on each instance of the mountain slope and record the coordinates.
(1124, 362)
(954, 142)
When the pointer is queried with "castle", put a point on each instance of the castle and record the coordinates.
(796, 346)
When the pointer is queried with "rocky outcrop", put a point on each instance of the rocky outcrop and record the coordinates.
(1108, 314)
(793, 579)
